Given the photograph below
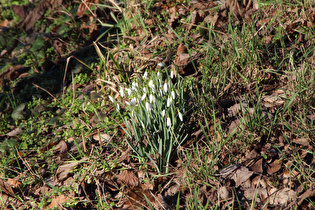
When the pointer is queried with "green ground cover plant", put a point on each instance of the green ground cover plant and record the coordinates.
(157, 104)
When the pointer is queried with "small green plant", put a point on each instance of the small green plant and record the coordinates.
(154, 123)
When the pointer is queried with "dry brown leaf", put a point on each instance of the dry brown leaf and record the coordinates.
(281, 197)
(307, 194)
(241, 175)
(6, 188)
(172, 190)
(274, 167)
(63, 171)
(5, 23)
(104, 137)
(84, 5)
(61, 148)
(139, 197)
(29, 21)
(128, 177)
(227, 171)
(13, 182)
(260, 194)
(14, 132)
(301, 141)
(276, 99)
(21, 11)
(58, 201)
(257, 166)
(224, 193)
(235, 109)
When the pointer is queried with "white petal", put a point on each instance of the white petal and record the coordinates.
(143, 97)
(163, 113)
(168, 122)
(161, 65)
(147, 106)
(118, 107)
(111, 98)
(165, 87)
(180, 116)
(145, 75)
(133, 102)
(172, 74)
(121, 91)
(152, 99)
(129, 91)
(173, 94)
(151, 85)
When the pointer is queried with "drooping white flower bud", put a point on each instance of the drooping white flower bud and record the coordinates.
(145, 75)
(121, 92)
(168, 122)
(111, 98)
(165, 87)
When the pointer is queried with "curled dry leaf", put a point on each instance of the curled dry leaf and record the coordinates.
(241, 175)
(260, 194)
(235, 109)
(276, 99)
(282, 196)
(13, 182)
(14, 132)
(6, 188)
(63, 171)
(274, 167)
(58, 201)
(29, 21)
(61, 148)
(224, 193)
(128, 177)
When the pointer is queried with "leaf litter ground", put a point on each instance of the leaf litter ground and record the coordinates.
(251, 142)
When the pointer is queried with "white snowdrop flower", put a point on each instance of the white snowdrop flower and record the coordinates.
(147, 106)
(173, 94)
(158, 74)
(128, 103)
(152, 99)
(165, 87)
(169, 101)
(144, 89)
(145, 75)
(118, 107)
(151, 85)
(163, 113)
(143, 97)
(161, 93)
(142, 124)
(161, 64)
(121, 92)
(111, 98)
(168, 122)
(180, 116)
(133, 102)
(129, 91)
(172, 74)
(134, 86)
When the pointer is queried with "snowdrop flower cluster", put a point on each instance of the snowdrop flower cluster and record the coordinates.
(155, 108)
